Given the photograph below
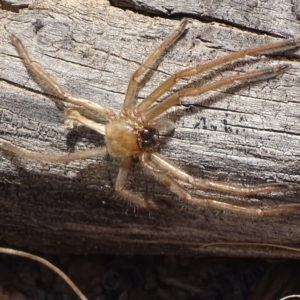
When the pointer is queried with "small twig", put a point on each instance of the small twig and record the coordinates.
(251, 244)
(47, 264)
(289, 297)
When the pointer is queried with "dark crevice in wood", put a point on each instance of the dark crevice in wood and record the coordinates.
(6, 5)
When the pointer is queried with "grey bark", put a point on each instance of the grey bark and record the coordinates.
(246, 134)
(278, 18)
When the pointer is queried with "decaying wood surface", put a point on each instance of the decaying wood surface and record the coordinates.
(246, 134)
(279, 18)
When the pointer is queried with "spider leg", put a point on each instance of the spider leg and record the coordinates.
(170, 168)
(132, 86)
(171, 81)
(176, 188)
(146, 161)
(130, 196)
(174, 99)
(49, 85)
(74, 119)
(100, 151)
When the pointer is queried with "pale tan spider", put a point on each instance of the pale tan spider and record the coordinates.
(133, 133)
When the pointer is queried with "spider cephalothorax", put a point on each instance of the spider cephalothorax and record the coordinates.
(132, 134)
(129, 138)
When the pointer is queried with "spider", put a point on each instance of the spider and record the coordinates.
(133, 133)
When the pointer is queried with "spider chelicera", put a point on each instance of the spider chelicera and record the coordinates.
(133, 133)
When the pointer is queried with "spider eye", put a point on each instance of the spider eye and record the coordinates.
(147, 137)
(148, 143)
(147, 133)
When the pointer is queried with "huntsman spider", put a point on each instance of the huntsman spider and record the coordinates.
(133, 133)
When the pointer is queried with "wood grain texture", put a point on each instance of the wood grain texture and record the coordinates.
(246, 134)
(271, 17)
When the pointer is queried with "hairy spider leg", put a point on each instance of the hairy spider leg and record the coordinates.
(129, 101)
(164, 164)
(49, 85)
(189, 72)
(73, 116)
(146, 161)
(55, 158)
(174, 99)
(177, 189)
(128, 195)
(75, 119)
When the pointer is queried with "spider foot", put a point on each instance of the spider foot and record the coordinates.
(281, 186)
(291, 186)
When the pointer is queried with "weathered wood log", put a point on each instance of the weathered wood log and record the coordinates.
(246, 134)
(270, 17)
